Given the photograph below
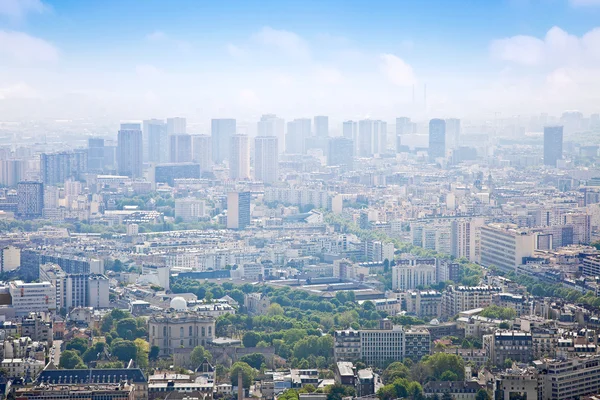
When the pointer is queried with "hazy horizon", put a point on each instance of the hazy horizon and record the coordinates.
(202, 60)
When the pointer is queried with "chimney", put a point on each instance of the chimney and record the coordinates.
(240, 386)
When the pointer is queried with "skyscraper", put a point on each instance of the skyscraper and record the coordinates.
(453, 132)
(321, 126)
(176, 126)
(403, 126)
(202, 151)
(156, 141)
(12, 172)
(221, 131)
(95, 157)
(437, 139)
(350, 130)
(55, 168)
(30, 199)
(365, 138)
(180, 148)
(239, 160)
(553, 145)
(271, 125)
(341, 153)
(266, 159)
(129, 150)
(379, 137)
(238, 210)
(298, 132)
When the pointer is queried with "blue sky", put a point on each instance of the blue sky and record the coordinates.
(349, 59)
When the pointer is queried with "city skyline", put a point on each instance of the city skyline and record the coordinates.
(473, 60)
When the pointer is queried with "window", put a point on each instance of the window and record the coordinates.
(203, 332)
(181, 331)
(190, 330)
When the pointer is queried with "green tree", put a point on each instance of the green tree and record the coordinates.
(78, 344)
(118, 314)
(439, 363)
(248, 374)
(69, 359)
(92, 353)
(154, 353)
(198, 355)
(255, 360)
(496, 312)
(482, 394)
(107, 323)
(124, 350)
(251, 339)
(394, 371)
(127, 328)
(275, 310)
(143, 348)
(337, 391)
(449, 376)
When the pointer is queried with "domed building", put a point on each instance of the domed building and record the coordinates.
(178, 304)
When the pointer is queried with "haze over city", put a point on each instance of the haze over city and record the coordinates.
(345, 59)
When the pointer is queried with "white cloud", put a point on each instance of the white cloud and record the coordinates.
(156, 36)
(18, 91)
(286, 42)
(235, 51)
(23, 48)
(328, 75)
(556, 48)
(521, 49)
(19, 8)
(147, 71)
(396, 70)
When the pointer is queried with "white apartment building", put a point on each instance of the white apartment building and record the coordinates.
(568, 379)
(189, 209)
(505, 246)
(410, 273)
(462, 298)
(98, 290)
(32, 297)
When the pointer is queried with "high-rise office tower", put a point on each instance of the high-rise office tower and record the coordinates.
(238, 210)
(202, 151)
(379, 137)
(55, 168)
(403, 126)
(129, 150)
(156, 143)
(30, 199)
(553, 145)
(221, 131)
(365, 138)
(180, 148)
(437, 139)
(298, 132)
(453, 132)
(12, 172)
(239, 159)
(266, 159)
(176, 126)
(341, 153)
(350, 130)
(271, 125)
(321, 126)
(95, 157)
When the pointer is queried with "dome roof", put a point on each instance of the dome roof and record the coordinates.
(178, 304)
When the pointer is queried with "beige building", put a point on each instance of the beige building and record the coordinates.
(462, 298)
(180, 330)
(505, 246)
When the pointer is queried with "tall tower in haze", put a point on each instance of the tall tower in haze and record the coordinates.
(298, 132)
(271, 125)
(221, 131)
(176, 126)
(321, 126)
(129, 150)
(266, 159)
(239, 157)
(437, 139)
(156, 143)
(553, 145)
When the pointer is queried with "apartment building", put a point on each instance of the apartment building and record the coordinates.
(462, 298)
